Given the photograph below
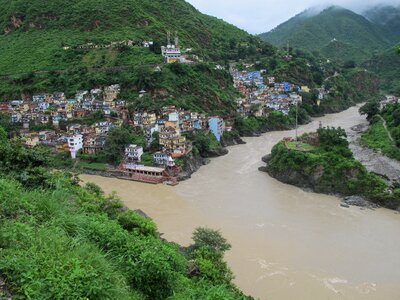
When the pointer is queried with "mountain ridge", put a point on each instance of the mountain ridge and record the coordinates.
(314, 32)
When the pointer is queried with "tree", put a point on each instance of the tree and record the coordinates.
(3, 136)
(349, 64)
(396, 117)
(146, 79)
(209, 238)
(371, 108)
(332, 137)
(116, 141)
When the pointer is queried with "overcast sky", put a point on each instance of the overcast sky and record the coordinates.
(257, 16)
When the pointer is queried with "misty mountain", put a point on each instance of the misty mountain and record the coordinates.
(385, 15)
(335, 32)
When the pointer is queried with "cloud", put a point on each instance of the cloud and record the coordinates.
(257, 16)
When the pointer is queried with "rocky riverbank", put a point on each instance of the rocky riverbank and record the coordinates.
(193, 163)
(232, 141)
(375, 161)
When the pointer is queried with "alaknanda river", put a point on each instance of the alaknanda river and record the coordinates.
(286, 243)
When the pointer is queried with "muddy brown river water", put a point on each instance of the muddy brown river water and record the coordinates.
(286, 243)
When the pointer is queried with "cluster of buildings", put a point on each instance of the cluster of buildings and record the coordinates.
(75, 138)
(51, 109)
(170, 126)
(114, 44)
(55, 108)
(261, 95)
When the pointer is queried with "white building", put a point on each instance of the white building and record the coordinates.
(171, 52)
(163, 159)
(133, 153)
(75, 143)
(295, 98)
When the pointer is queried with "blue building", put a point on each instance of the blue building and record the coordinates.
(286, 86)
(197, 124)
(217, 127)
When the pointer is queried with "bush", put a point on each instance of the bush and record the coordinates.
(210, 239)
(134, 222)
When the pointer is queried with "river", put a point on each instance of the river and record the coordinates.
(286, 243)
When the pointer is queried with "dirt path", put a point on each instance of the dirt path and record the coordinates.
(387, 130)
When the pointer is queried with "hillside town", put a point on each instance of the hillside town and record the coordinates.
(53, 120)
(64, 131)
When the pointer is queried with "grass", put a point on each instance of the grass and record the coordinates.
(377, 138)
(299, 146)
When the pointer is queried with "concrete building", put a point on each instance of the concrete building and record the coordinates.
(133, 153)
(163, 159)
(75, 143)
(217, 127)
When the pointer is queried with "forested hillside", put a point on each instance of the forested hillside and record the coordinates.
(61, 46)
(337, 33)
(387, 66)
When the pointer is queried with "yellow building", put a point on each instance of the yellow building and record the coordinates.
(171, 140)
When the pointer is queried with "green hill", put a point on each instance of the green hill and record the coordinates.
(40, 48)
(336, 32)
(386, 16)
(43, 27)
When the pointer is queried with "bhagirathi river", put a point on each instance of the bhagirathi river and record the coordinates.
(286, 243)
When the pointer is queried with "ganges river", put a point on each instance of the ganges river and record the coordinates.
(286, 243)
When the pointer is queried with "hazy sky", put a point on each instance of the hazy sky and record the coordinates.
(257, 16)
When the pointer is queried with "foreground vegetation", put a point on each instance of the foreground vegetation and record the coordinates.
(329, 167)
(59, 240)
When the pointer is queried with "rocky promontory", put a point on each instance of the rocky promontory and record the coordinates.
(322, 162)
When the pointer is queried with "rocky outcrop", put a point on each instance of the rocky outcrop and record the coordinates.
(266, 158)
(215, 153)
(233, 141)
(191, 165)
(359, 201)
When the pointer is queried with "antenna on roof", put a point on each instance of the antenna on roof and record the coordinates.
(176, 39)
(168, 38)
